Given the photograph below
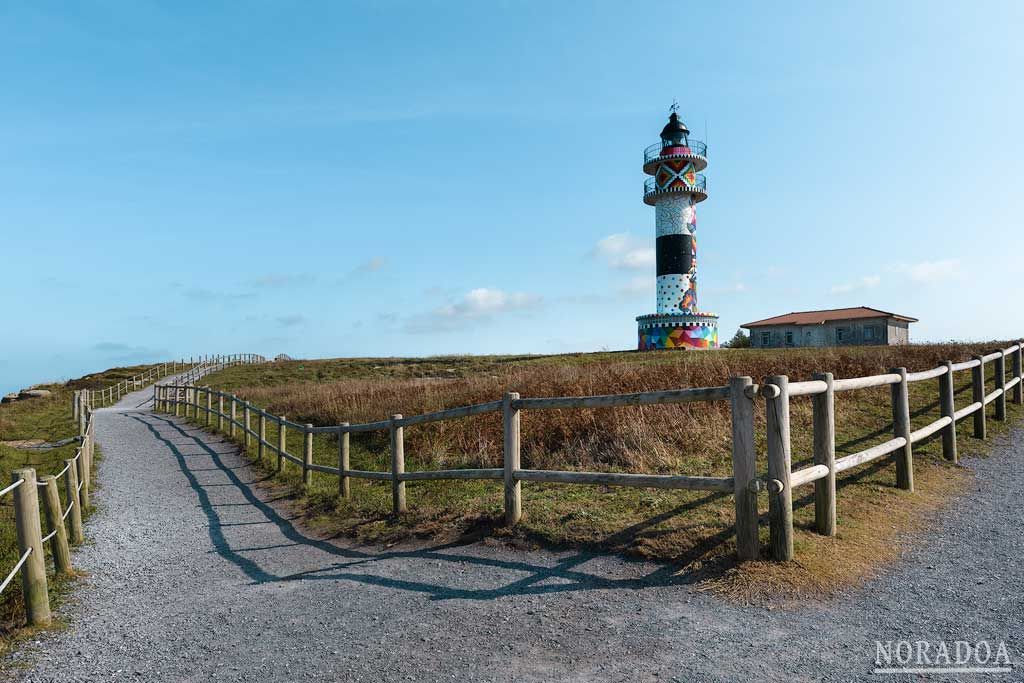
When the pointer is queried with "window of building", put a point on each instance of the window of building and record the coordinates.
(766, 338)
(789, 338)
(842, 335)
(869, 333)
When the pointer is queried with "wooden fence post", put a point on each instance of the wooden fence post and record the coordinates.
(511, 445)
(780, 495)
(248, 427)
(307, 456)
(344, 484)
(978, 396)
(177, 401)
(83, 476)
(209, 407)
(1018, 390)
(397, 466)
(260, 448)
(71, 494)
(824, 410)
(75, 399)
(1000, 381)
(282, 442)
(901, 427)
(744, 467)
(55, 525)
(30, 540)
(234, 415)
(220, 412)
(948, 409)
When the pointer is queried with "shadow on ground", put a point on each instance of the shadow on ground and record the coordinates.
(179, 438)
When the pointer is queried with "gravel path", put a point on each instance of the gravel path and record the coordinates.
(195, 575)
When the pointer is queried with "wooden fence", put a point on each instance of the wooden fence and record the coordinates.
(745, 483)
(64, 522)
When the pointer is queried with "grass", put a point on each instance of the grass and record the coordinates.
(690, 529)
(42, 419)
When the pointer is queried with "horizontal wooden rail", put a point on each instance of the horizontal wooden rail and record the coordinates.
(853, 383)
(927, 374)
(809, 388)
(925, 432)
(993, 396)
(367, 474)
(657, 481)
(967, 410)
(618, 400)
(873, 453)
(966, 365)
(434, 475)
(450, 414)
(808, 475)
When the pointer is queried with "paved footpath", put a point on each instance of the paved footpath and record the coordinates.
(194, 575)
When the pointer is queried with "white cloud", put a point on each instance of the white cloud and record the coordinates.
(623, 250)
(929, 271)
(483, 301)
(866, 282)
(475, 305)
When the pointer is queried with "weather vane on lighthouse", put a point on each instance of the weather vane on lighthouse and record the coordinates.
(675, 189)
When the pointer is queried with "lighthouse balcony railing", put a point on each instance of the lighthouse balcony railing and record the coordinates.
(695, 146)
(700, 183)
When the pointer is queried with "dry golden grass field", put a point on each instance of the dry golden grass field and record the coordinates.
(692, 530)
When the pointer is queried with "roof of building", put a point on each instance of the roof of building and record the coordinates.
(828, 315)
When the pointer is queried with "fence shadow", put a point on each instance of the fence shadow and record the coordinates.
(350, 564)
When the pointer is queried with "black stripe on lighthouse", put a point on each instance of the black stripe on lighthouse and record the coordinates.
(674, 254)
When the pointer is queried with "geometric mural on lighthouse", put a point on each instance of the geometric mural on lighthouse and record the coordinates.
(676, 174)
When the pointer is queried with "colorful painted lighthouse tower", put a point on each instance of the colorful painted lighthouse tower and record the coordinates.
(675, 189)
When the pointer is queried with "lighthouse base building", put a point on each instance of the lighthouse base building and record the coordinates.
(696, 331)
(674, 190)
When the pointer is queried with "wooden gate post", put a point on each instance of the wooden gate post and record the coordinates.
(209, 407)
(511, 444)
(55, 525)
(901, 427)
(344, 485)
(744, 467)
(978, 396)
(1000, 381)
(30, 540)
(74, 502)
(780, 495)
(397, 466)
(824, 410)
(220, 412)
(307, 456)
(234, 415)
(948, 409)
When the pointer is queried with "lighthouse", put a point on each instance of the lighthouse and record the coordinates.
(674, 190)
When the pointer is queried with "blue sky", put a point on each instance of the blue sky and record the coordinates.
(384, 178)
